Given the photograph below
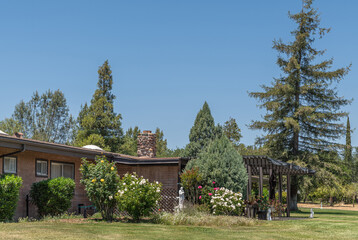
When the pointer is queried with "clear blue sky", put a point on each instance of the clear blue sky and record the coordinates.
(167, 57)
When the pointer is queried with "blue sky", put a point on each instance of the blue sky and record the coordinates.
(167, 57)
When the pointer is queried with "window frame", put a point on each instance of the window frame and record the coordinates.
(42, 160)
(68, 163)
(3, 165)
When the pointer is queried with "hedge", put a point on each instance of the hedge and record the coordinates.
(9, 195)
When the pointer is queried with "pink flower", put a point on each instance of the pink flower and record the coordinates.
(210, 194)
(216, 188)
(200, 187)
(199, 197)
(214, 182)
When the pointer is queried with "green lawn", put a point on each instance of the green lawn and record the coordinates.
(327, 224)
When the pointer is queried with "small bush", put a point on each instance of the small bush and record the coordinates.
(191, 179)
(137, 196)
(226, 202)
(53, 196)
(9, 195)
(284, 197)
(101, 184)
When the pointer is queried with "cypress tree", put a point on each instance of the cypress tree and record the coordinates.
(348, 147)
(202, 132)
(98, 123)
(232, 131)
(303, 109)
(220, 162)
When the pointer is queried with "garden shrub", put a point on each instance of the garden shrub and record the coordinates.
(137, 196)
(226, 202)
(284, 197)
(221, 161)
(191, 179)
(9, 195)
(101, 184)
(53, 196)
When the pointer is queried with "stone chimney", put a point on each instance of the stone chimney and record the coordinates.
(19, 135)
(146, 144)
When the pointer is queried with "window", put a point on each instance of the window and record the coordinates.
(41, 168)
(10, 164)
(62, 170)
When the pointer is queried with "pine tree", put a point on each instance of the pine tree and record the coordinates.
(98, 123)
(161, 143)
(203, 131)
(129, 143)
(232, 131)
(303, 108)
(348, 147)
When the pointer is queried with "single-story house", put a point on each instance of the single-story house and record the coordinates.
(34, 161)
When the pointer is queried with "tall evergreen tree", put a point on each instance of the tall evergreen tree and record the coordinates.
(232, 131)
(203, 131)
(129, 143)
(161, 143)
(303, 109)
(348, 158)
(98, 123)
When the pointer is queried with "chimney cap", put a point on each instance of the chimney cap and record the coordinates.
(19, 134)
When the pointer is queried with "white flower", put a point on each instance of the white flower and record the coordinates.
(157, 182)
(110, 197)
(124, 183)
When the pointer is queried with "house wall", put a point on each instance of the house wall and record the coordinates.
(26, 163)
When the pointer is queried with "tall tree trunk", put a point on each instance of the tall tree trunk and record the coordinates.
(293, 195)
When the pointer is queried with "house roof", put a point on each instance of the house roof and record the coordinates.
(276, 166)
(62, 149)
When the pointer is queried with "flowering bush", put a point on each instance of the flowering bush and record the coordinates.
(263, 203)
(278, 207)
(101, 184)
(225, 201)
(191, 180)
(137, 196)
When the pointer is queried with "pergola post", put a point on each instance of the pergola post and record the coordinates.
(261, 182)
(280, 187)
(249, 180)
(288, 194)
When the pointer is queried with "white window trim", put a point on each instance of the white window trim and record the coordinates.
(9, 171)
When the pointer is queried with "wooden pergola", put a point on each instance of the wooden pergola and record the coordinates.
(263, 165)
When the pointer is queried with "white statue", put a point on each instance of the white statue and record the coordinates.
(181, 199)
(312, 213)
(269, 215)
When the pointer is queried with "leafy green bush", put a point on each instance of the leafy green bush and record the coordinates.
(191, 179)
(137, 196)
(101, 184)
(53, 196)
(9, 195)
(284, 197)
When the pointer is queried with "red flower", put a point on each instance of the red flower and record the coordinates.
(210, 194)
(200, 187)
(199, 197)
(216, 188)
(214, 182)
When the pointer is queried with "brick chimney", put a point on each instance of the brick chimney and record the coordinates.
(146, 144)
(19, 135)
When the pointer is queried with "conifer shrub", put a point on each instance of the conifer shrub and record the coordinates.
(52, 197)
(9, 195)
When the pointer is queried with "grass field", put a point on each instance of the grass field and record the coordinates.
(327, 224)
